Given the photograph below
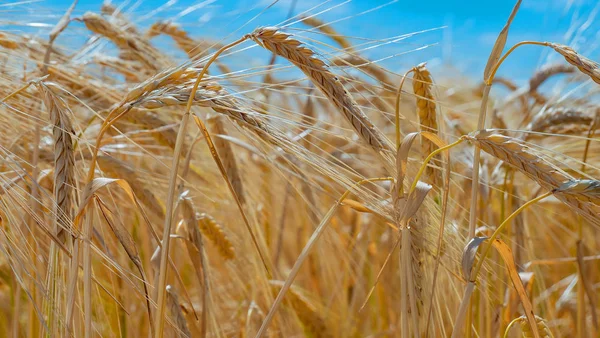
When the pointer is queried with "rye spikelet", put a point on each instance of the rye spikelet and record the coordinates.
(515, 153)
(214, 231)
(585, 65)
(228, 157)
(304, 58)
(64, 176)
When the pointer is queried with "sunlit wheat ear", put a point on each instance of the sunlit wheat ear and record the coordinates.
(585, 65)
(181, 38)
(304, 58)
(563, 120)
(582, 189)
(62, 132)
(98, 25)
(228, 157)
(426, 109)
(214, 231)
(411, 225)
(213, 96)
(527, 161)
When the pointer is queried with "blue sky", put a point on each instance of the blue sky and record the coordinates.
(466, 29)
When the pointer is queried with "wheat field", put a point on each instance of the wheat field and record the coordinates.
(279, 183)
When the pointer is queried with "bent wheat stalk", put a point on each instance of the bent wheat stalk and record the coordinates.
(304, 58)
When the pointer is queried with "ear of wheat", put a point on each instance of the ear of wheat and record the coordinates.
(524, 159)
(585, 65)
(304, 58)
(62, 131)
(426, 110)
(562, 120)
(214, 231)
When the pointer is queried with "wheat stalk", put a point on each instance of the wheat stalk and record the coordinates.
(585, 65)
(124, 40)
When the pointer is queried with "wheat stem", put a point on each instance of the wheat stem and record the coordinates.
(490, 79)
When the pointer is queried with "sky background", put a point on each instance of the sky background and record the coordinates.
(454, 33)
